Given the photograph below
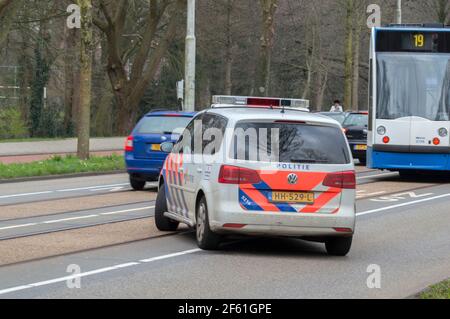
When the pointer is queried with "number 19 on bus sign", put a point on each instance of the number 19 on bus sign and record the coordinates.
(419, 40)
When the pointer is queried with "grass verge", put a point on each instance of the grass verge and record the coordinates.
(58, 165)
(33, 139)
(439, 291)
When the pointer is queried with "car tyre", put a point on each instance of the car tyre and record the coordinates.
(162, 222)
(339, 246)
(137, 185)
(206, 238)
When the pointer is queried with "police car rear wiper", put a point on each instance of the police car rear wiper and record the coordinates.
(307, 161)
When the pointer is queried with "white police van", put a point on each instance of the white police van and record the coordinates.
(260, 167)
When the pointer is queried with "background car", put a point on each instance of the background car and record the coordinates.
(356, 129)
(340, 117)
(143, 155)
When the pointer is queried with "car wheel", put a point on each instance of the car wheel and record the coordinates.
(339, 246)
(162, 222)
(206, 239)
(136, 184)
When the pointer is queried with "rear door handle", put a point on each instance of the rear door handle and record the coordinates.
(199, 170)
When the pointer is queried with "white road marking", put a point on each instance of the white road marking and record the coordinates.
(187, 252)
(55, 221)
(364, 194)
(111, 188)
(96, 272)
(402, 205)
(107, 187)
(399, 197)
(128, 211)
(63, 279)
(26, 194)
(69, 219)
(378, 175)
(17, 226)
(92, 187)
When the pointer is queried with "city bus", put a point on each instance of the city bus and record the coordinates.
(409, 99)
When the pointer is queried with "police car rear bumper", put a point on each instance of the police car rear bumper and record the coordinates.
(286, 225)
(286, 231)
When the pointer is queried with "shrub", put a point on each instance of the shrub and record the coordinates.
(12, 124)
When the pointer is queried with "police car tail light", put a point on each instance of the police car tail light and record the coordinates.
(129, 144)
(238, 175)
(345, 180)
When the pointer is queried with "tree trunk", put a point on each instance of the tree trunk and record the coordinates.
(8, 10)
(71, 75)
(307, 87)
(323, 87)
(25, 75)
(86, 49)
(228, 50)
(269, 8)
(356, 58)
(442, 10)
(4, 5)
(348, 72)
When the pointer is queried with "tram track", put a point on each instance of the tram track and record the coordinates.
(64, 239)
(29, 226)
(86, 218)
(46, 195)
(67, 228)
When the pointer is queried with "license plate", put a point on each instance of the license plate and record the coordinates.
(156, 147)
(361, 148)
(293, 197)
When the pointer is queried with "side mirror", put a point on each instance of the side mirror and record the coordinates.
(167, 147)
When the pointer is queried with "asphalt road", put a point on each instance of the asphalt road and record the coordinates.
(405, 231)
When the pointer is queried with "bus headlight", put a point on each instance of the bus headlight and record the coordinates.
(443, 132)
(381, 130)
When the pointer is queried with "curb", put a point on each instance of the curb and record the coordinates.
(56, 177)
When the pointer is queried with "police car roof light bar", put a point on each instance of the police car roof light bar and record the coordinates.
(271, 102)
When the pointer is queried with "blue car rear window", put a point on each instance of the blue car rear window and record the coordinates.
(163, 124)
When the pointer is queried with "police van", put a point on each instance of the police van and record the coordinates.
(260, 167)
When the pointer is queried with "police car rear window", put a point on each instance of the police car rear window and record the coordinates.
(289, 143)
(163, 125)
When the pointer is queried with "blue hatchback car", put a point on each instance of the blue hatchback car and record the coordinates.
(143, 155)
